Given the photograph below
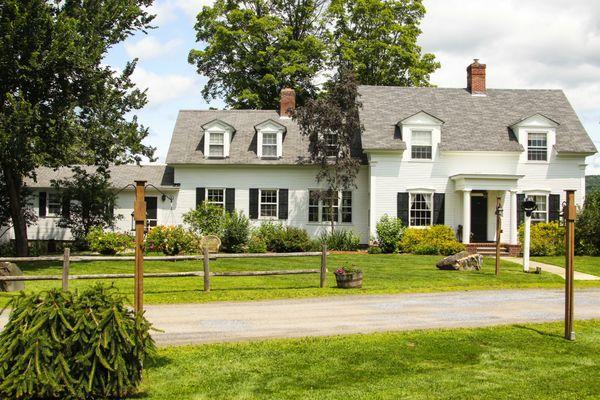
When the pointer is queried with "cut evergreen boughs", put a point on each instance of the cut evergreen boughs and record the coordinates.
(63, 345)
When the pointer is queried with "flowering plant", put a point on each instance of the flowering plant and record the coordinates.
(347, 270)
(171, 240)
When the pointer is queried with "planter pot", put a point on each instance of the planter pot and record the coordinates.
(348, 281)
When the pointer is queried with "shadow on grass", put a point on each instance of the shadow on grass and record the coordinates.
(539, 332)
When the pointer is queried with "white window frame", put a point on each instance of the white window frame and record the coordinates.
(260, 204)
(57, 203)
(411, 195)
(269, 127)
(545, 148)
(535, 216)
(340, 208)
(206, 199)
(412, 144)
(217, 127)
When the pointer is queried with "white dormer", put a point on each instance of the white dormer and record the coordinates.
(217, 137)
(422, 133)
(537, 135)
(269, 140)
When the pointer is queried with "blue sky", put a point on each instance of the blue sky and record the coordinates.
(525, 44)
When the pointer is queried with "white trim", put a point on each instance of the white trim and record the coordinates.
(431, 207)
(51, 214)
(215, 188)
(339, 207)
(260, 203)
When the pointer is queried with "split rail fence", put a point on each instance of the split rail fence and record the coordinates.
(206, 273)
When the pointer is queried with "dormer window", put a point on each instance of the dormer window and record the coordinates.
(217, 136)
(537, 146)
(421, 145)
(216, 144)
(269, 144)
(331, 144)
(422, 133)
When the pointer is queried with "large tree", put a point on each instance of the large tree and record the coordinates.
(331, 123)
(254, 48)
(59, 104)
(379, 39)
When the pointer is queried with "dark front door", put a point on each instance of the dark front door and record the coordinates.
(478, 217)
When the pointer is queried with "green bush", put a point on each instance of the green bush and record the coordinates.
(587, 226)
(108, 243)
(7, 249)
(389, 233)
(256, 244)
(547, 239)
(375, 250)
(171, 240)
(341, 240)
(290, 240)
(64, 345)
(236, 230)
(207, 219)
(268, 231)
(437, 239)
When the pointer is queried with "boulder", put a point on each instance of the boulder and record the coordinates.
(462, 261)
(10, 269)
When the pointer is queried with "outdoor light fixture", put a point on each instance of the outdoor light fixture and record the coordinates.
(529, 206)
(499, 210)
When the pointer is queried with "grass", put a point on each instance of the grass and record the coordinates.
(397, 273)
(586, 264)
(513, 362)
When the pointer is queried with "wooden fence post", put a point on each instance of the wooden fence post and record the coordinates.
(206, 270)
(324, 266)
(65, 270)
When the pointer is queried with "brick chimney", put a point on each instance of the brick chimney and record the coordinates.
(287, 102)
(476, 78)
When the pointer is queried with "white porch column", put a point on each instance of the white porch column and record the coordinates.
(514, 228)
(466, 237)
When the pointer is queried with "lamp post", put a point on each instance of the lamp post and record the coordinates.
(569, 214)
(139, 212)
(529, 207)
(499, 212)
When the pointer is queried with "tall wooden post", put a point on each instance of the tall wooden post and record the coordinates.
(139, 215)
(206, 269)
(66, 266)
(569, 214)
(323, 266)
(498, 234)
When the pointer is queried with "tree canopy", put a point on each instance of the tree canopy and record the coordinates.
(252, 49)
(59, 104)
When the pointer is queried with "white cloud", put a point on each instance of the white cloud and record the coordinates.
(192, 7)
(164, 87)
(150, 47)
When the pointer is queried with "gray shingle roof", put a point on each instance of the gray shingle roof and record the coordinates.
(161, 176)
(471, 123)
(187, 143)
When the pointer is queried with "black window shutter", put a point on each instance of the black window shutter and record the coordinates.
(66, 207)
(42, 204)
(402, 207)
(554, 207)
(200, 196)
(520, 212)
(438, 208)
(230, 199)
(283, 203)
(253, 212)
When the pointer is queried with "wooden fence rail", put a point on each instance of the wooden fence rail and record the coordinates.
(67, 259)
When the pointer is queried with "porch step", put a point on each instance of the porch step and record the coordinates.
(488, 249)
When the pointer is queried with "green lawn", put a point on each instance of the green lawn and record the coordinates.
(587, 264)
(382, 274)
(514, 362)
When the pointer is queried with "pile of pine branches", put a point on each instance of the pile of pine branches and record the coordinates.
(72, 345)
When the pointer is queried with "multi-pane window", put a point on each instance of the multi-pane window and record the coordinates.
(421, 145)
(541, 213)
(54, 204)
(420, 209)
(324, 208)
(269, 144)
(216, 197)
(331, 144)
(216, 144)
(537, 147)
(268, 203)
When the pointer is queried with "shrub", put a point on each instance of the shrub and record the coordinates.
(437, 239)
(268, 231)
(60, 344)
(389, 233)
(547, 239)
(375, 250)
(256, 244)
(171, 240)
(587, 226)
(7, 249)
(108, 243)
(207, 219)
(342, 240)
(236, 230)
(291, 239)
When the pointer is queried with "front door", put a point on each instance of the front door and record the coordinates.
(478, 217)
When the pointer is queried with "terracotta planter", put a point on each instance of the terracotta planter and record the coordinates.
(349, 281)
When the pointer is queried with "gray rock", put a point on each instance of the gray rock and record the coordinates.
(10, 269)
(462, 261)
